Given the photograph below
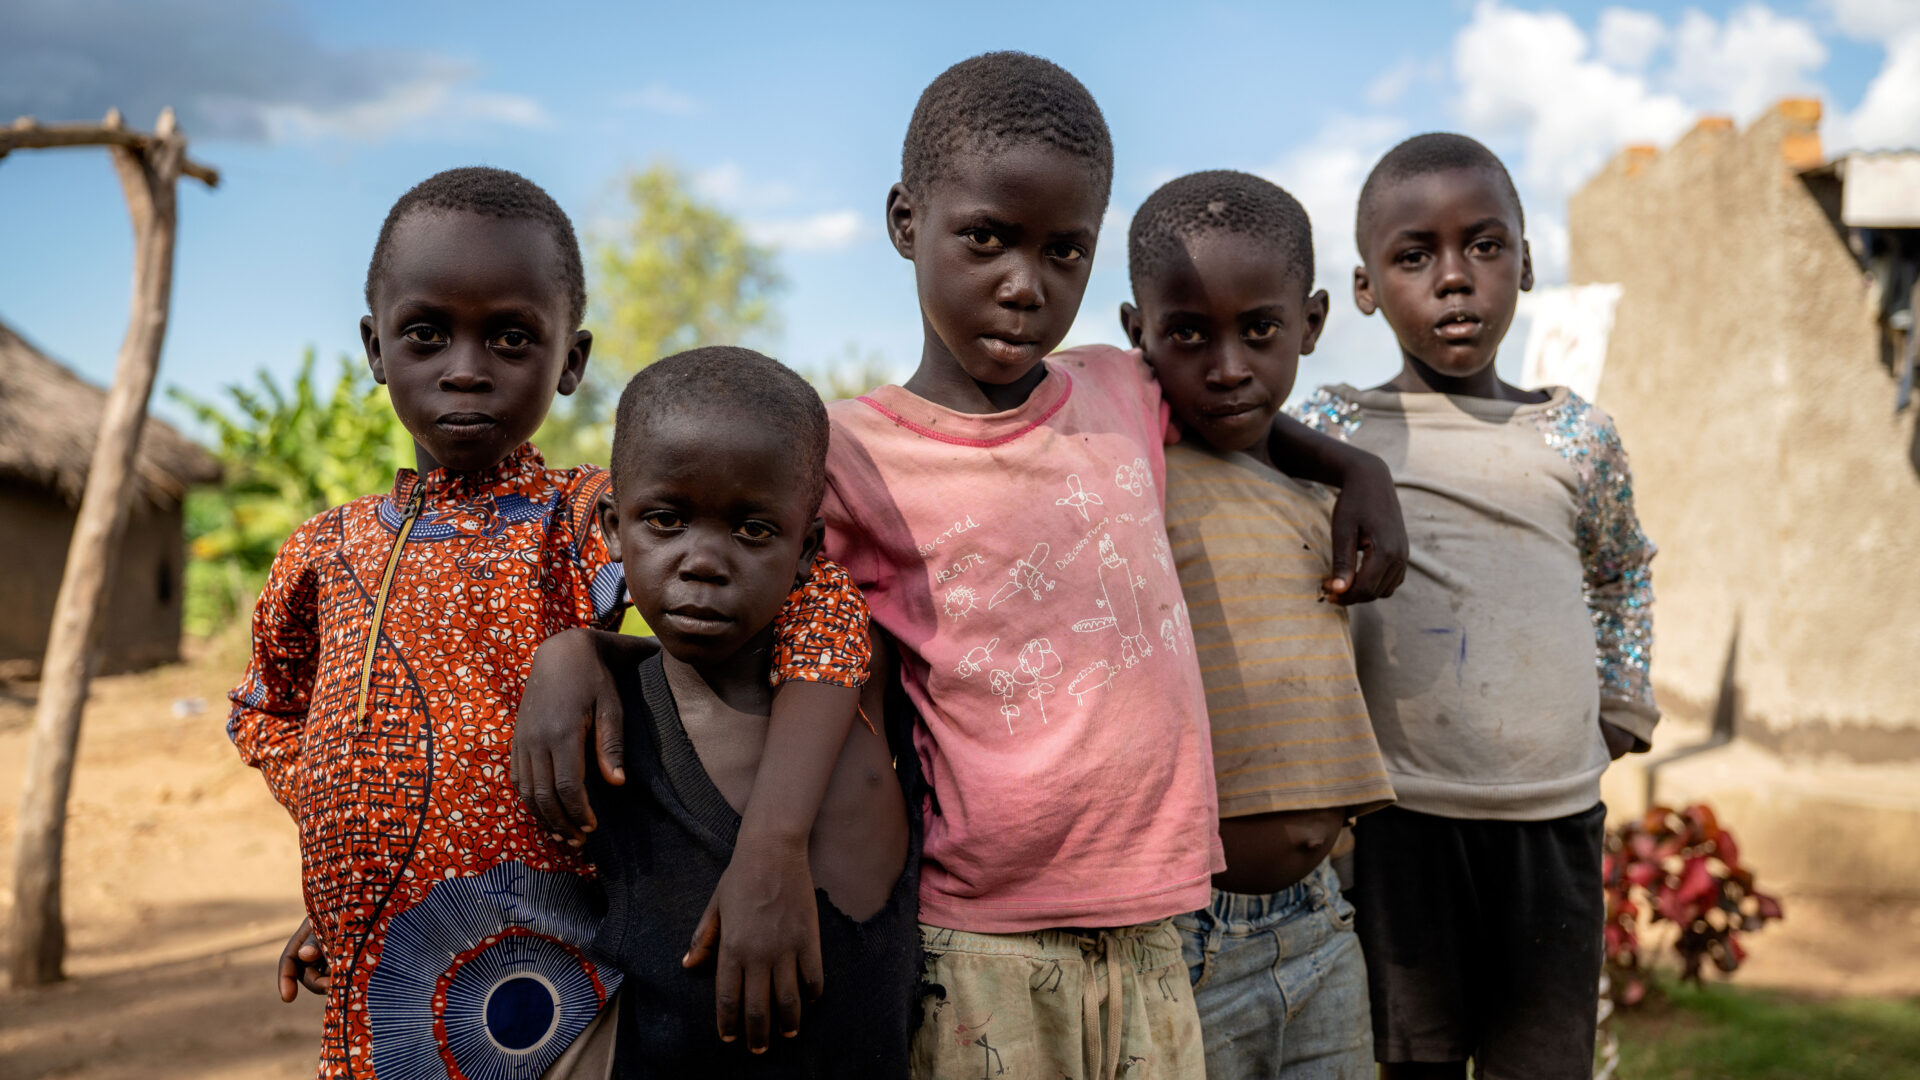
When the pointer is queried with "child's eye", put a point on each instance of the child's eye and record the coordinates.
(982, 237)
(512, 339)
(1186, 335)
(422, 334)
(663, 520)
(1264, 330)
(1485, 247)
(1411, 259)
(756, 530)
(1065, 253)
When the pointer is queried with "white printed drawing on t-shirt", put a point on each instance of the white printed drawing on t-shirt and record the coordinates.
(1175, 630)
(1036, 664)
(1079, 498)
(976, 660)
(1136, 477)
(1095, 676)
(1121, 607)
(1028, 576)
(962, 600)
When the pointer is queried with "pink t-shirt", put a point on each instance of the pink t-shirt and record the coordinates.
(1020, 559)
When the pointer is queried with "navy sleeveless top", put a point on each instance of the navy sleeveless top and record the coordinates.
(663, 841)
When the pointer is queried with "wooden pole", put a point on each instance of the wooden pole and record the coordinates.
(149, 168)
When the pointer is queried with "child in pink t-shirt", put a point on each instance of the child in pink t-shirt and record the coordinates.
(1004, 516)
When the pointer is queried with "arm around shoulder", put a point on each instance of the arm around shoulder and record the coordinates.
(1369, 535)
(570, 702)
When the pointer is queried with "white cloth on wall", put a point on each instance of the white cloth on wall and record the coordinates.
(1567, 340)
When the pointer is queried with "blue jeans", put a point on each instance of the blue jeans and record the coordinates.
(1280, 984)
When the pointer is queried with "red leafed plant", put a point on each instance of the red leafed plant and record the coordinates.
(1679, 867)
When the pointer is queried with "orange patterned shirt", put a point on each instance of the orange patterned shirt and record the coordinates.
(390, 647)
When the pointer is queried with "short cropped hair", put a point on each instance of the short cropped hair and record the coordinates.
(750, 388)
(1423, 155)
(497, 193)
(1219, 200)
(1000, 99)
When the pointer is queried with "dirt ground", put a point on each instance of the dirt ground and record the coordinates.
(182, 883)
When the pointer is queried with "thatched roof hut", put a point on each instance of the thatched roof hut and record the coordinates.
(49, 418)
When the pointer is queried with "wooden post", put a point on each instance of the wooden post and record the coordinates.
(149, 168)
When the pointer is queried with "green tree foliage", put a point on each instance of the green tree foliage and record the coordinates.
(290, 452)
(675, 273)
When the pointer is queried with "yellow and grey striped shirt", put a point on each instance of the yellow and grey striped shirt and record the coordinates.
(1290, 728)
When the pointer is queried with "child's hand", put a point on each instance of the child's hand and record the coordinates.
(570, 699)
(1366, 519)
(302, 963)
(765, 927)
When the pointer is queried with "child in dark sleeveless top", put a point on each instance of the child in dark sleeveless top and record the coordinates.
(718, 468)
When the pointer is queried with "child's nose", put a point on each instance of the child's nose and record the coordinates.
(465, 372)
(704, 561)
(1454, 275)
(1021, 287)
(1232, 370)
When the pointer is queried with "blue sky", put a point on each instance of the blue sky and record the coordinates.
(790, 117)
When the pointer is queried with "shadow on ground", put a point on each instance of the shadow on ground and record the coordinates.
(211, 1014)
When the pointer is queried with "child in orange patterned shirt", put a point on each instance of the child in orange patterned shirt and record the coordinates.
(393, 640)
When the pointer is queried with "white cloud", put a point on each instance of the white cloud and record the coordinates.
(234, 70)
(1874, 20)
(1888, 115)
(1529, 74)
(1629, 39)
(1392, 84)
(727, 182)
(659, 98)
(1549, 242)
(1325, 175)
(1747, 63)
(831, 230)
(411, 107)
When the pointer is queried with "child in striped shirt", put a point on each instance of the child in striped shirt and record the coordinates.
(1222, 267)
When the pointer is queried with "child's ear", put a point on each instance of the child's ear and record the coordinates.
(1526, 267)
(609, 524)
(1363, 291)
(900, 219)
(370, 341)
(1316, 311)
(576, 366)
(810, 547)
(1133, 326)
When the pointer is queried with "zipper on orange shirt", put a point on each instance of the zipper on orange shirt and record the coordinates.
(380, 599)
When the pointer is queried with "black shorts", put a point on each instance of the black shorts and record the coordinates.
(1483, 940)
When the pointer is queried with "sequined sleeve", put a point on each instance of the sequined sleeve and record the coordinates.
(1617, 557)
(1327, 413)
(821, 634)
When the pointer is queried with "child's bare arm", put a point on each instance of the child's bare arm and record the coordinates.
(1366, 518)
(762, 925)
(570, 701)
